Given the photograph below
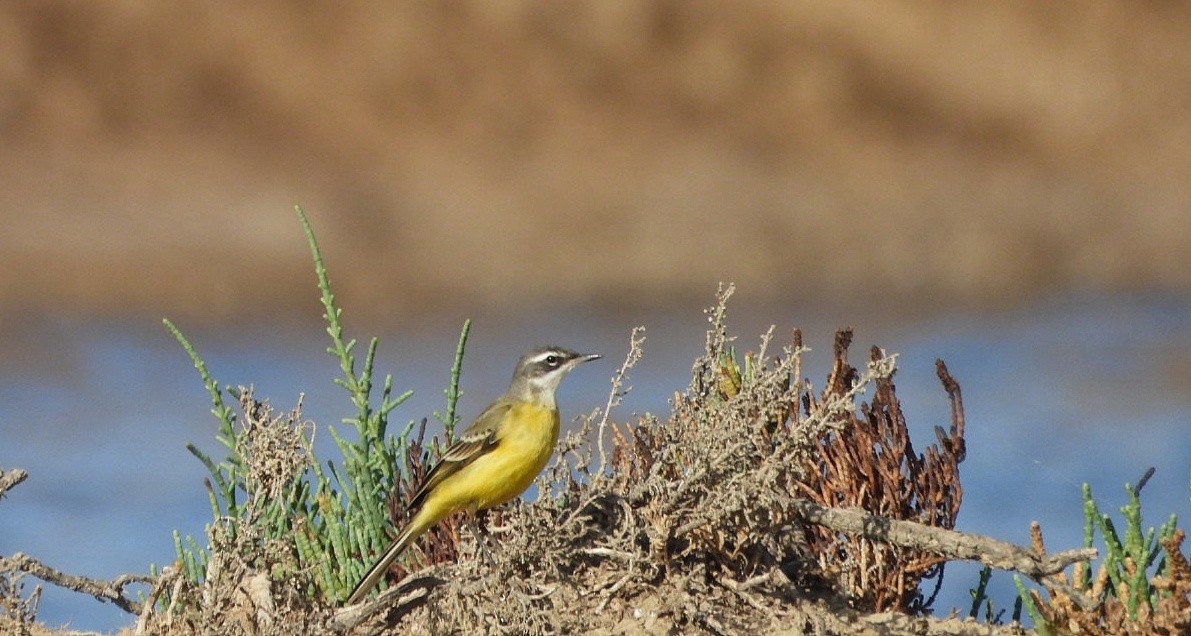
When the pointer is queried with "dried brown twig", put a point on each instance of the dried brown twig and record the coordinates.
(10, 478)
(110, 591)
(943, 542)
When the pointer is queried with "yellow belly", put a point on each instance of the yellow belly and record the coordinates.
(525, 442)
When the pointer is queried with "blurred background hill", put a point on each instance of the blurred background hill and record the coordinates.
(515, 153)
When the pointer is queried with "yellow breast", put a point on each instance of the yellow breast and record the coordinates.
(525, 441)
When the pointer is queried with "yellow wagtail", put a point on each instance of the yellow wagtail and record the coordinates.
(493, 460)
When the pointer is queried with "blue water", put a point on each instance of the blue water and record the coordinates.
(1057, 393)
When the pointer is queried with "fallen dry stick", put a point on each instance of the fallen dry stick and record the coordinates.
(111, 591)
(949, 543)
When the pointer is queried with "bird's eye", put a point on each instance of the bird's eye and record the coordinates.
(552, 360)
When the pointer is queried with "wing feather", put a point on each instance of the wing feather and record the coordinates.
(476, 440)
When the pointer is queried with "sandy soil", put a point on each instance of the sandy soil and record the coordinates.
(522, 153)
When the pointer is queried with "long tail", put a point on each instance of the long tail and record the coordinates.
(409, 533)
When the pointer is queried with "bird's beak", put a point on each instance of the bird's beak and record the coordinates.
(589, 357)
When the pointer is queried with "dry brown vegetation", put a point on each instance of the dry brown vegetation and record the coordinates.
(1068, 608)
(870, 463)
(694, 523)
(757, 505)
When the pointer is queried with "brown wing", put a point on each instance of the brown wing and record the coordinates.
(474, 441)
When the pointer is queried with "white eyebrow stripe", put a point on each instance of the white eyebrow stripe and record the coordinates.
(541, 357)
